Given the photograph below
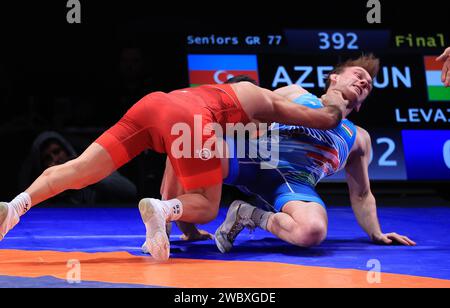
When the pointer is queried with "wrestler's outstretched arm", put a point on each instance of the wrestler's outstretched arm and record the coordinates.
(362, 200)
(445, 57)
(287, 112)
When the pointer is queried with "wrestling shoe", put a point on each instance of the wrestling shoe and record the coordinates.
(168, 232)
(238, 217)
(154, 220)
(8, 219)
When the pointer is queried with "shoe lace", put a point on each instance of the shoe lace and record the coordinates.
(248, 223)
(242, 222)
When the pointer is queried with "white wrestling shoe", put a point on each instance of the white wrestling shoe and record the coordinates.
(154, 219)
(8, 219)
(168, 231)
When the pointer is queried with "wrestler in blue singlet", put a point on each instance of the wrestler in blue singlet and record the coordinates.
(305, 157)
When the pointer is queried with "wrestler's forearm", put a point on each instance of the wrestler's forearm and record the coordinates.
(328, 117)
(187, 228)
(290, 113)
(324, 118)
(365, 210)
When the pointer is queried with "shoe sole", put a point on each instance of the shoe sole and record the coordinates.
(144, 248)
(218, 236)
(219, 245)
(157, 241)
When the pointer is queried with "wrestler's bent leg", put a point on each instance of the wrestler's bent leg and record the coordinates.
(300, 223)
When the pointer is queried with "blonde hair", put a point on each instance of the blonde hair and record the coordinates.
(368, 62)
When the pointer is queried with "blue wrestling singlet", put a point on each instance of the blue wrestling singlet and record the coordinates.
(305, 157)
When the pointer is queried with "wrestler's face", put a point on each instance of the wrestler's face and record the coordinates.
(355, 83)
(53, 155)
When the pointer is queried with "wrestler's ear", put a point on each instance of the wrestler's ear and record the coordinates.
(333, 79)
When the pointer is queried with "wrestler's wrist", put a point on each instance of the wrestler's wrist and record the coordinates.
(335, 112)
(375, 235)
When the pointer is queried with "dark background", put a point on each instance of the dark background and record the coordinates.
(78, 79)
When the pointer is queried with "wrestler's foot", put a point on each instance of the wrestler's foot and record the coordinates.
(156, 238)
(168, 231)
(238, 217)
(8, 219)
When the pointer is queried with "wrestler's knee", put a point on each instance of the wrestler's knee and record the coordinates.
(50, 171)
(208, 204)
(211, 213)
(58, 178)
(209, 210)
(311, 233)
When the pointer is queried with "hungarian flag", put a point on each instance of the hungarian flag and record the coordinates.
(216, 69)
(436, 89)
(347, 130)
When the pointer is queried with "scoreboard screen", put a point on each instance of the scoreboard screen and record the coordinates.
(407, 114)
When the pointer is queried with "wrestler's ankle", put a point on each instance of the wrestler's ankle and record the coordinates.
(173, 209)
(21, 204)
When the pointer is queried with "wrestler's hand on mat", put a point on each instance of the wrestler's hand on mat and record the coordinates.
(392, 239)
(445, 57)
(199, 235)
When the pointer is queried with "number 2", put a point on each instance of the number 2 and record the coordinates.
(446, 153)
(383, 162)
(351, 44)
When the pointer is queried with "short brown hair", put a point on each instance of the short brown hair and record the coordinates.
(240, 78)
(368, 62)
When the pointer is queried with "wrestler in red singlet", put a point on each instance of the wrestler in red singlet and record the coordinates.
(148, 125)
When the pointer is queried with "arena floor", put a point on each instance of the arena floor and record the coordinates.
(106, 244)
